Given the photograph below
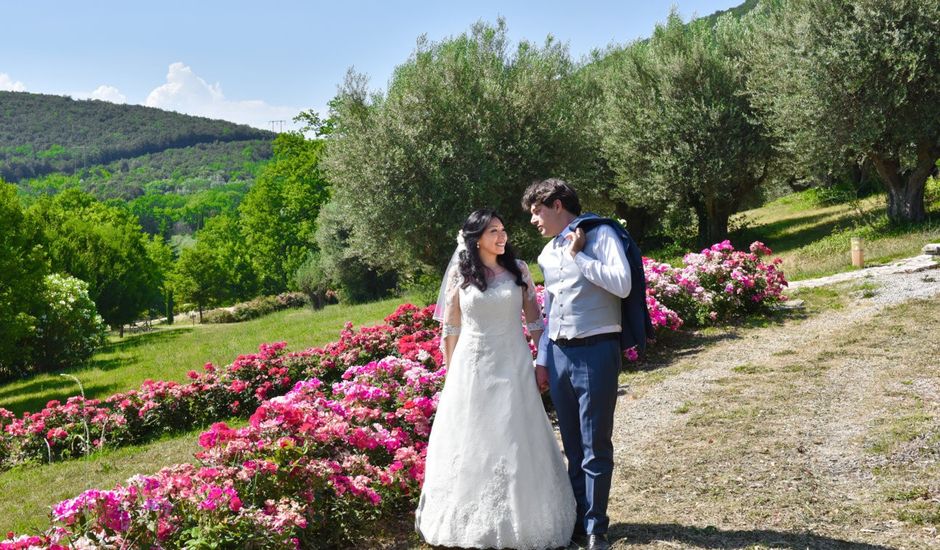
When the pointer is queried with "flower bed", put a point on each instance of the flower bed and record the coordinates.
(320, 464)
(713, 286)
(717, 284)
(78, 426)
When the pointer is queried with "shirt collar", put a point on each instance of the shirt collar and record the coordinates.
(559, 239)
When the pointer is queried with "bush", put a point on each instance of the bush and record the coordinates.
(256, 308)
(68, 329)
(349, 270)
(318, 467)
(932, 193)
(423, 286)
(717, 284)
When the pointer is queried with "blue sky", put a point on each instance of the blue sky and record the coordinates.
(252, 62)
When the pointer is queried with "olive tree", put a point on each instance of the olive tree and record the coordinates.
(678, 130)
(854, 79)
(465, 123)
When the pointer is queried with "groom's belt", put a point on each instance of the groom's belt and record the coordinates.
(586, 341)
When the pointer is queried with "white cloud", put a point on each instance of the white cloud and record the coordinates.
(108, 93)
(10, 85)
(185, 92)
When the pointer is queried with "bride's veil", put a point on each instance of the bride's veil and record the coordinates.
(448, 273)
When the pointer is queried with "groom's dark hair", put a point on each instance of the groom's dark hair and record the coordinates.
(548, 191)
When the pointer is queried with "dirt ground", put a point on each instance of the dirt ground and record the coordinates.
(821, 430)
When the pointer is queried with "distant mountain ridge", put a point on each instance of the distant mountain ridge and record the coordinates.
(737, 11)
(41, 134)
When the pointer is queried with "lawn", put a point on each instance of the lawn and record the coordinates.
(814, 241)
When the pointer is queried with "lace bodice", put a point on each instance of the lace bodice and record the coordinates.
(496, 310)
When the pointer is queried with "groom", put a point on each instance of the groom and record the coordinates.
(595, 299)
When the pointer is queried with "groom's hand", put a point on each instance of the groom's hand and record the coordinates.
(577, 239)
(541, 377)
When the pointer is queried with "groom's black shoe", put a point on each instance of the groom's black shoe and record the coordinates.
(579, 541)
(598, 542)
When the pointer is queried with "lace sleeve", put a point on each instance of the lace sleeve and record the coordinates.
(530, 304)
(451, 326)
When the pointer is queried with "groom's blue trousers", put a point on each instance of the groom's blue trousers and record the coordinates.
(583, 382)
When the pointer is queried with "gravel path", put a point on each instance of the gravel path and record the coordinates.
(646, 415)
(884, 273)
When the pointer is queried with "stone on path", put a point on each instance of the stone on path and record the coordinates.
(790, 305)
(909, 265)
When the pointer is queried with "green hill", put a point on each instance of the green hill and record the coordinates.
(42, 134)
(181, 171)
(737, 11)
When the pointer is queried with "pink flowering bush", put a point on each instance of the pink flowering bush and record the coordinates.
(410, 331)
(81, 425)
(60, 431)
(713, 286)
(718, 283)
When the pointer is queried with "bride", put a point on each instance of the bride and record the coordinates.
(494, 476)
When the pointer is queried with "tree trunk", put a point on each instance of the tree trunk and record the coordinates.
(121, 331)
(907, 203)
(715, 227)
(638, 220)
(200, 315)
(701, 215)
(906, 191)
(169, 307)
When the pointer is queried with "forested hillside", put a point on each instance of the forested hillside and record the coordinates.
(181, 171)
(41, 134)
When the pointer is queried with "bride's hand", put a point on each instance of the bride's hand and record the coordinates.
(541, 378)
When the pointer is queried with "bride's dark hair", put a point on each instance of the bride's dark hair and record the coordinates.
(471, 266)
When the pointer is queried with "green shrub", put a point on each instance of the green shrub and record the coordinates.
(423, 286)
(68, 329)
(256, 308)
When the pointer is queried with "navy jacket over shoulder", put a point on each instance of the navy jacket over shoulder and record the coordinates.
(635, 317)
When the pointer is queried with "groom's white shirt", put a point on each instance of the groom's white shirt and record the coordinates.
(602, 262)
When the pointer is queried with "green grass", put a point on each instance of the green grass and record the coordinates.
(814, 240)
(37, 488)
(893, 432)
(536, 273)
(168, 353)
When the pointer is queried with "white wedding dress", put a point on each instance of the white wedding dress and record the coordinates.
(494, 476)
